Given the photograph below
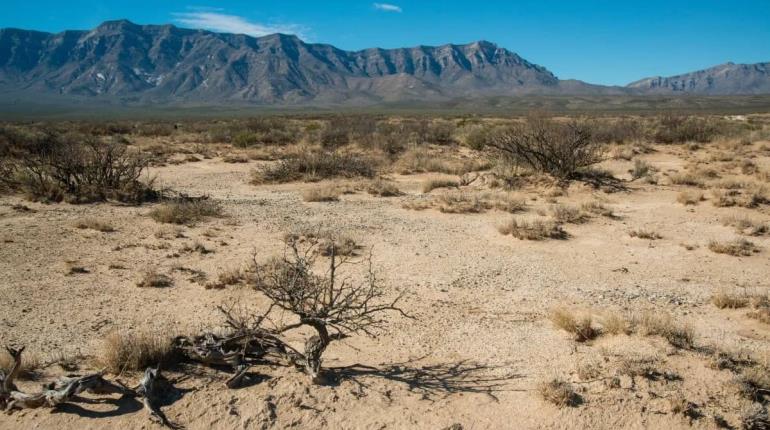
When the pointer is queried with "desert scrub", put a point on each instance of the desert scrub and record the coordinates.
(383, 188)
(322, 193)
(567, 214)
(533, 230)
(94, 224)
(737, 247)
(645, 234)
(433, 184)
(689, 198)
(186, 211)
(314, 166)
(725, 300)
(747, 226)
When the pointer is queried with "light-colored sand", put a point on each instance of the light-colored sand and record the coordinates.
(481, 341)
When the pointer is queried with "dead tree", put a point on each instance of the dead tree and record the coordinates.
(335, 306)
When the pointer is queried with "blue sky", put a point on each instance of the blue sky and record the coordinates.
(599, 41)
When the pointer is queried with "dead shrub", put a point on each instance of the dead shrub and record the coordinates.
(314, 166)
(533, 230)
(737, 248)
(50, 166)
(135, 351)
(690, 179)
(561, 150)
(559, 392)
(235, 158)
(94, 224)
(186, 211)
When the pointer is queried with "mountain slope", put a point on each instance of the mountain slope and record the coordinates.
(126, 62)
(724, 79)
(122, 63)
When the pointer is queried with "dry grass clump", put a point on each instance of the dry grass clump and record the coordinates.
(382, 188)
(235, 158)
(457, 203)
(747, 226)
(533, 230)
(755, 417)
(30, 364)
(750, 197)
(689, 179)
(580, 326)
(662, 324)
(567, 214)
(559, 392)
(645, 234)
(324, 242)
(433, 184)
(597, 208)
(725, 300)
(322, 193)
(186, 211)
(134, 351)
(615, 324)
(95, 224)
(314, 166)
(689, 197)
(227, 278)
(754, 382)
(737, 248)
(421, 160)
(642, 169)
(153, 279)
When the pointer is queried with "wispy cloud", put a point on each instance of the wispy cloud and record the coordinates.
(387, 7)
(215, 21)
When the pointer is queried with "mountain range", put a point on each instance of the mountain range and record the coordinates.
(120, 62)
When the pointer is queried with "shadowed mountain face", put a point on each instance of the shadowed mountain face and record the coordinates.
(121, 62)
(725, 79)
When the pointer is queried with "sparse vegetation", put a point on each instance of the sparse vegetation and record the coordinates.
(645, 234)
(562, 150)
(433, 184)
(581, 327)
(95, 224)
(186, 211)
(322, 193)
(153, 279)
(737, 247)
(559, 392)
(533, 230)
(128, 351)
(313, 166)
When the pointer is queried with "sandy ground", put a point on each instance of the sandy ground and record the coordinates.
(480, 342)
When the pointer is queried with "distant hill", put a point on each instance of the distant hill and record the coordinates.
(122, 63)
(725, 79)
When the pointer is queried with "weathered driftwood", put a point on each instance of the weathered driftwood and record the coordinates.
(64, 390)
(152, 389)
(6, 381)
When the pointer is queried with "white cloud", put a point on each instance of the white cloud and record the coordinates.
(387, 7)
(224, 23)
